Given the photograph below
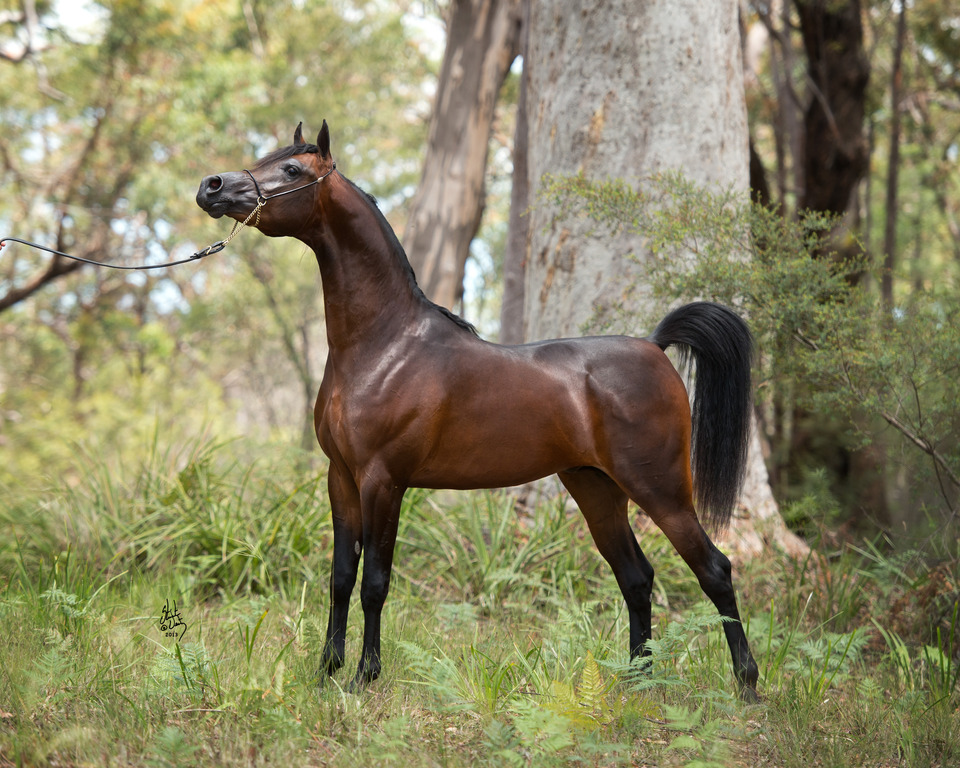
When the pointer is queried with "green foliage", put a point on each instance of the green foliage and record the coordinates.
(172, 748)
(470, 547)
(258, 530)
(821, 660)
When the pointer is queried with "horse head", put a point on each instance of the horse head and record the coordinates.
(283, 177)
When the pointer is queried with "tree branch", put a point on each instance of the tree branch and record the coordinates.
(940, 461)
(58, 268)
(923, 444)
(29, 19)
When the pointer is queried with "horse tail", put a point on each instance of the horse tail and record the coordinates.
(722, 348)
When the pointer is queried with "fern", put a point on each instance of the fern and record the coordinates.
(668, 655)
(187, 665)
(55, 664)
(586, 705)
(592, 688)
(171, 748)
(822, 661)
(65, 601)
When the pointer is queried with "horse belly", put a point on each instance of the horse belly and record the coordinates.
(501, 447)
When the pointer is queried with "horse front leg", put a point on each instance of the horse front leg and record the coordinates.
(380, 502)
(347, 538)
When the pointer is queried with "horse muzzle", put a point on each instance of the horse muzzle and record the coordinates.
(227, 194)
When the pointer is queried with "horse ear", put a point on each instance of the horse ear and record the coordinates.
(323, 141)
(298, 135)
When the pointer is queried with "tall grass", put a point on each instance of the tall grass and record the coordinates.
(504, 637)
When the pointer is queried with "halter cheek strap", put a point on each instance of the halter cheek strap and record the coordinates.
(264, 198)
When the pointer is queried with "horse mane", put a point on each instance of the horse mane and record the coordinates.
(401, 255)
(285, 153)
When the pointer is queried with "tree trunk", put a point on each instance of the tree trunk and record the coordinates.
(518, 228)
(893, 165)
(482, 39)
(835, 159)
(838, 71)
(625, 89)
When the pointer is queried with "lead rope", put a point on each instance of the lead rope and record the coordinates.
(210, 249)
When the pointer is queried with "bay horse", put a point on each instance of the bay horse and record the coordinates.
(412, 397)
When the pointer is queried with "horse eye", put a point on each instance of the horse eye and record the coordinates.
(291, 171)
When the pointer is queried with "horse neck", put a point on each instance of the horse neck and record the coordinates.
(369, 290)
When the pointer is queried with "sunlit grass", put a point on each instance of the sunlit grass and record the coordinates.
(504, 638)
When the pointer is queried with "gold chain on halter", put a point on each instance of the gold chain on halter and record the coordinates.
(237, 228)
(238, 225)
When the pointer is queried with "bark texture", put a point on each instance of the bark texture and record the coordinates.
(623, 89)
(518, 231)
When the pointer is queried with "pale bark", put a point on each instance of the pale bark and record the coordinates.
(482, 40)
(622, 89)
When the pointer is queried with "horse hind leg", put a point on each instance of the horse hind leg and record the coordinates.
(673, 512)
(604, 506)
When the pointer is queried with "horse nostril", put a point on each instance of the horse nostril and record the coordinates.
(214, 184)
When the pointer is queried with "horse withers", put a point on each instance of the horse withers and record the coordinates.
(412, 397)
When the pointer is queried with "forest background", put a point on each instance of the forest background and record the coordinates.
(116, 385)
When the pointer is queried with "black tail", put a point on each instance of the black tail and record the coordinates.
(722, 347)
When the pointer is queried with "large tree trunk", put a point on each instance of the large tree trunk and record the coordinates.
(482, 40)
(893, 165)
(626, 89)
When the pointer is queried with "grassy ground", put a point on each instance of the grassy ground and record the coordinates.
(504, 639)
